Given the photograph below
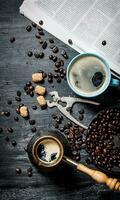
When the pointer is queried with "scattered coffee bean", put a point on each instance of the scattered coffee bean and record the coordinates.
(18, 93)
(29, 169)
(37, 55)
(33, 129)
(44, 45)
(81, 117)
(37, 36)
(28, 83)
(44, 75)
(59, 80)
(41, 22)
(50, 80)
(34, 24)
(41, 33)
(12, 39)
(54, 116)
(55, 49)
(51, 40)
(39, 28)
(50, 57)
(54, 58)
(104, 42)
(16, 118)
(1, 129)
(7, 139)
(32, 121)
(9, 102)
(34, 107)
(18, 170)
(61, 129)
(17, 110)
(29, 28)
(52, 46)
(7, 113)
(56, 76)
(50, 75)
(18, 98)
(20, 105)
(10, 130)
(64, 54)
(30, 53)
(41, 41)
(14, 143)
(41, 54)
(29, 174)
(70, 41)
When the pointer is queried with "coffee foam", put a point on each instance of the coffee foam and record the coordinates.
(82, 71)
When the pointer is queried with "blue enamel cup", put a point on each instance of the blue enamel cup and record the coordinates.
(109, 81)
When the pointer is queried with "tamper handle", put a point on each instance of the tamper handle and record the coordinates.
(100, 177)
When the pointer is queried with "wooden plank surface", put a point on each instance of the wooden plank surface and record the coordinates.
(15, 70)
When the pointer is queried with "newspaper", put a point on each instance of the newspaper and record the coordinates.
(93, 25)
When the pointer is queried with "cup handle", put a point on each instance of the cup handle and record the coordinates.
(115, 82)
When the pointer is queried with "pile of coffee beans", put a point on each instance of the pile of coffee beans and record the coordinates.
(74, 134)
(103, 139)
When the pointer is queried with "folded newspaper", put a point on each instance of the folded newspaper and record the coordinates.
(93, 25)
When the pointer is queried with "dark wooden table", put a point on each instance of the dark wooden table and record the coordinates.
(15, 70)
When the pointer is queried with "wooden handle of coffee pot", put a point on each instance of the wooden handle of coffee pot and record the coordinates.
(100, 177)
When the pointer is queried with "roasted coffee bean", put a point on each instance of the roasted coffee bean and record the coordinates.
(31, 94)
(44, 45)
(55, 49)
(31, 121)
(59, 80)
(51, 40)
(10, 130)
(29, 169)
(17, 110)
(31, 87)
(1, 129)
(41, 22)
(64, 54)
(62, 75)
(16, 118)
(56, 69)
(57, 64)
(54, 116)
(14, 143)
(104, 42)
(34, 24)
(39, 28)
(50, 80)
(29, 28)
(61, 129)
(12, 39)
(44, 75)
(28, 83)
(56, 76)
(54, 58)
(52, 46)
(37, 55)
(41, 33)
(50, 57)
(29, 53)
(58, 120)
(41, 54)
(50, 75)
(37, 36)
(70, 41)
(7, 139)
(61, 117)
(33, 129)
(9, 102)
(18, 98)
(7, 113)
(29, 174)
(18, 170)
(34, 107)
(18, 93)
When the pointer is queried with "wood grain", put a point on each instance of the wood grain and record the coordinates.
(15, 70)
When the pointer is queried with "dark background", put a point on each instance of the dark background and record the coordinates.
(15, 70)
